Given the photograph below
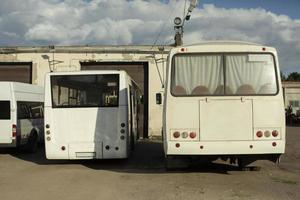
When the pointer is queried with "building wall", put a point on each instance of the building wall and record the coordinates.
(293, 95)
(71, 62)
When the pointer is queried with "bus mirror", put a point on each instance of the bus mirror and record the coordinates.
(158, 98)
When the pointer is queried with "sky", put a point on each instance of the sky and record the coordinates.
(123, 22)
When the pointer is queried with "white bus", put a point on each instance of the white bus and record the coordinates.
(90, 114)
(21, 115)
(223, 100)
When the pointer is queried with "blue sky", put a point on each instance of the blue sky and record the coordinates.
(131, 22)
(285, 7)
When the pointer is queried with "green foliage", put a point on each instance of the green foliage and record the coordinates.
(294, 76)
(283, 78)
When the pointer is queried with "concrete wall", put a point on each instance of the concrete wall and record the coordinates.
(71, 62)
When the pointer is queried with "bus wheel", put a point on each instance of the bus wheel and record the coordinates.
(176, 162)
(32, 143)
(132, 142)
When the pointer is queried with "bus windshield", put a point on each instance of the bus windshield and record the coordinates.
(4, 110)
(223, 74)
(85, 90)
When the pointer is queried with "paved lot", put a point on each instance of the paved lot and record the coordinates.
(31, 176)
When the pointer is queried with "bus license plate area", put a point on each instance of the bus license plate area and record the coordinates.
(85, 150)
(225, 120)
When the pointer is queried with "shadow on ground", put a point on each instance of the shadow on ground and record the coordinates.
(147, 157)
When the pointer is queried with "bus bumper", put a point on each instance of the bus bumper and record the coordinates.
(225, 147)
(12, 144)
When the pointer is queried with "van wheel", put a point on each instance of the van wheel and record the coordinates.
(32, 143)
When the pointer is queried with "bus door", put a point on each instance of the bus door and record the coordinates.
(133, 115)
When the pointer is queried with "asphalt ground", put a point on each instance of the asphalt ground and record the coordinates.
(26, 176)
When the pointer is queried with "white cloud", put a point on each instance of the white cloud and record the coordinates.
(68, 22)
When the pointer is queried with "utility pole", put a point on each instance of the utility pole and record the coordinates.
(179, 23)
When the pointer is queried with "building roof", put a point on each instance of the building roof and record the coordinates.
(291, 84)
(142, 49)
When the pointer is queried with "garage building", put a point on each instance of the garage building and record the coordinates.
(145, 64)
(291, 91)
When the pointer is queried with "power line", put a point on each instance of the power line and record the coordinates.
(163, 27)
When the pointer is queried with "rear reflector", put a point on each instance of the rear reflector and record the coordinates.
(274, 144)
(177, 145)
(14, 130)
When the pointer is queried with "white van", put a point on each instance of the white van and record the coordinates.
(21, 115)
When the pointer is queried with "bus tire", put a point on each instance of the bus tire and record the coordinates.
(32, 143)
(132, 143)
(175, 162)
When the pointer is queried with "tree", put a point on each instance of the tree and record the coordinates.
(294, 76)
(283, 78)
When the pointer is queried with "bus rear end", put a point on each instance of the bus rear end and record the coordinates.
(224, 101)
(86, 115)
(8, 132)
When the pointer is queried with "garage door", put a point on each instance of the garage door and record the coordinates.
(19, 72)
(138, 72)
(135, 70)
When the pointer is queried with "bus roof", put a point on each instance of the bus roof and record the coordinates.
(87, 72)
(225, 42)
(224, 46)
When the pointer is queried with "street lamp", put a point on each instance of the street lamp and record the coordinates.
(179, 23)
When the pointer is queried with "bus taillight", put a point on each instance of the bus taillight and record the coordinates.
(275, 133)
(14, 130)
(184, 134)
(267, 133)
(192, 135)
(259, 134)
(176, 134)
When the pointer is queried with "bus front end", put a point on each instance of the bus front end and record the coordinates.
(224, 100)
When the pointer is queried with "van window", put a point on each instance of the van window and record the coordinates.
(36, 109)
(23, 110)
(4, 109)
(30, 110)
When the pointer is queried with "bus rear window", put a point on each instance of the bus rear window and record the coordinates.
(4, 109)
(250, 74)
(223, 74)
(85, 90)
